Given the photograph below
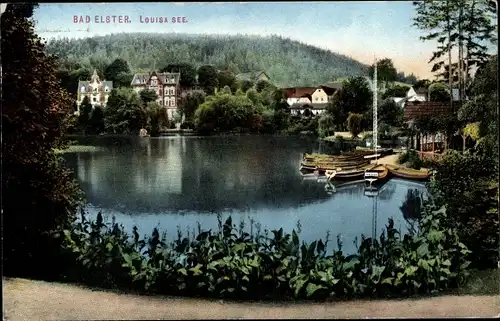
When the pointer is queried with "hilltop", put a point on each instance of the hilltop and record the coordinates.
(287, 62)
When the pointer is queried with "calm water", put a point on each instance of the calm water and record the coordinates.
(179, 181)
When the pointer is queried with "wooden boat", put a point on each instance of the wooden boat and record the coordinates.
(409, 173)
(376, 173)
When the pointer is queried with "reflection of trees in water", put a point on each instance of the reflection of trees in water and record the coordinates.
(412, 205)
(387, 192)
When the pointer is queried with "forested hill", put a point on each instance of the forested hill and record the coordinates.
(287, 62)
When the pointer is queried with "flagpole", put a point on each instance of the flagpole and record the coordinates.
(375, 121)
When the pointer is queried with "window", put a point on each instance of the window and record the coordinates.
(166, 101)
(322, 99)
(172, 91)
(154, 82)
(82, 89)
(95, 90)
(106, 89)
(94, 99)
(172, 80)
(172, 102)
(317, 99)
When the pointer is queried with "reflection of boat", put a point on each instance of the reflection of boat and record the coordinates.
(376, 173)
(409, 173)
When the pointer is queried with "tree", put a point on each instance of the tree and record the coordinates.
(386, 72)
(157, 117)
(395, 91)
(187, 71)
(207, 78)
(354, 97)
(118, 72)
(466, 25)
(39, 195)
(262, 85)
(390, 113)
(147, 95)
(226, 78)
(439, 93)
(245, 85)
(96, 121)
(85, 112)
(354, 124)
(226, 90)
(326, 125)
(227, 112)
(192, 100)
(483, 108)
(124, 112)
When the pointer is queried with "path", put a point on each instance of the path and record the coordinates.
(36, 300)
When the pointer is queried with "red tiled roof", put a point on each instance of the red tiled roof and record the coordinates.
(298, 91)
(425, 109)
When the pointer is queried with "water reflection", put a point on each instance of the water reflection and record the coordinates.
(180, 181)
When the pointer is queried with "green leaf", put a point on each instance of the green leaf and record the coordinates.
(312, 288)
(182, 271)
(295, 238)
(299, 285)
(446, 262)
(387, 281)
(350, 265)
(423, 250)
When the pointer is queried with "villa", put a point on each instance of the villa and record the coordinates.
(96, 90)
(166, 86)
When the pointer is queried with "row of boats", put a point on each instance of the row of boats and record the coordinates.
(357, 165)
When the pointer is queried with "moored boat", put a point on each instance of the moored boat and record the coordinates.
(409, 173)
(376, 173)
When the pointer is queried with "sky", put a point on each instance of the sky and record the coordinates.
(361, 30)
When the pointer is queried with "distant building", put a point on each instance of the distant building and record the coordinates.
(311, 101)
(96, 90)
(419, 94)
(254, 77)
(166, 86)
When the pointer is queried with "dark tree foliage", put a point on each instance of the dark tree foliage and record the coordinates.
(38, 194)
(395, 91)
(386, 72)
(96, 121)
(284, 60)
(85, 113)
(147, 96)
(354, 97)
(226, 78)
(119, 73)
(190, 103)
(207, 78)
(187, 71)
(440, 93)
(390, 113)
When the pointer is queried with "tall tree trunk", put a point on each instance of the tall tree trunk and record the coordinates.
(460, 52)
(450, 74)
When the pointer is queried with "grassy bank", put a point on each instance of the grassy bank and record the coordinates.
(78, 149)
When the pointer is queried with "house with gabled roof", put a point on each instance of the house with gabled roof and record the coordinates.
(166, 86)
(96, 90)
(254, 76)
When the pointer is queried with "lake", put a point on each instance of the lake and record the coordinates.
(179, 181)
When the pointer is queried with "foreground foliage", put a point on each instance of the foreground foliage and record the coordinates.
(38, 193)
(231, 263)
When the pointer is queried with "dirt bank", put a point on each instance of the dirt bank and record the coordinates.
(35, 300)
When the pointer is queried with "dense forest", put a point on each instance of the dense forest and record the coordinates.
(287, 62)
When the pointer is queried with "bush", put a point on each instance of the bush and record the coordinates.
(187, 125)
(411, 160)
(231, 263)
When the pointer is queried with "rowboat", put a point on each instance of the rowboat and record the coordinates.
(409, 173)
(376, 173)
